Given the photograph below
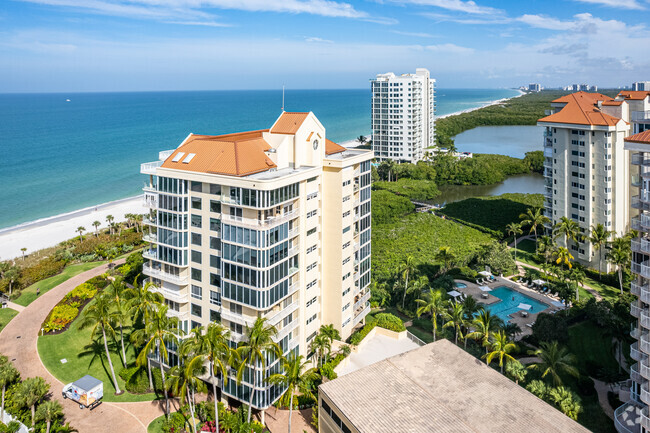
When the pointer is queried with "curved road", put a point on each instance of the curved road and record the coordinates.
(18, 342)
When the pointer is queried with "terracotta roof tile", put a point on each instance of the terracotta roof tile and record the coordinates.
(635, 95)
(581, 109)
(641, 137)
(288, 123)
(613, 103)
(238, 154)
(331, 148)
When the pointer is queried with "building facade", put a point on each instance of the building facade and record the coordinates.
(586, 167)
(403, 115)
(641, 86)
(272, 223)
(534, 87)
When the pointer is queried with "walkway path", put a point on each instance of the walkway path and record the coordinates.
(18, 342)
(523, 238)
(601, 389)
(15, 306)
(586, 287)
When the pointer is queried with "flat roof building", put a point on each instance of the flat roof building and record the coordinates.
(435, 388)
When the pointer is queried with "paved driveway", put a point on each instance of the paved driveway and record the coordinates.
(18, 342)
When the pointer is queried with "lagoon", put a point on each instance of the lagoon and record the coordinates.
(503, 140)
(523, 183)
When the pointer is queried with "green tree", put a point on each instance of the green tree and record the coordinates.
(48, 411)
(563, 256)
(109, 220)
(533, 218)
(514, 229)
(320, 345)
(619, 256)
(577, 277)
(555, 360)
(118, 292)
(456, 319)
(295, 376)
(183, 379)
(516, 371)
(538, 388)
(546, 248)
(96, 224)
(599, 237)
(409, 266)
(30, 392)
(11, 275)
(81, 229)
(485, 325)
(500, 347)
(445, 256)
(331, 333)
(568, 229)
(565, 400)
(253, 350)
(100, 315)
(435, 305)
(361, 140)
(24, 250)
(8, 375)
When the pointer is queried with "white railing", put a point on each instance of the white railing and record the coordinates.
(645, 394)
(634, 333)
(359, 317)
(156, 273)
(285, 331)
(283, 313)
(641, 269)
(149, 237)
(172, 295)
(150, 167)
(362, 301)
(237, 318)
(644, 345)
(618, 414)
(163, 155)
(645, 318)
(415, 339)
(293, 232)
(635, 310)
(548, 152)
(636, 354)
(253, 222)
(178, 314)
(644, 369)
(645, 420)
(640, 116)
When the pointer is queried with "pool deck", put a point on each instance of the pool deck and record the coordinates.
(524, 323)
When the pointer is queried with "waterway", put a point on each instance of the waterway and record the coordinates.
(522, 183)
(503, 140)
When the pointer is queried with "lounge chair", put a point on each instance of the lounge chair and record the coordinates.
(523, 313)
(530, 325)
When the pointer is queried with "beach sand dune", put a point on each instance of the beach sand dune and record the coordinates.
(49, 232)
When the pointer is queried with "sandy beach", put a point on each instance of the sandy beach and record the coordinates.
(48, 232)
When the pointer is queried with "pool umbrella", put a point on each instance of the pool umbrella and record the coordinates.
(454, 293)
(485, 273)
(485, 288)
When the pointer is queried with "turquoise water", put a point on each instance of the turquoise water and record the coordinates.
(504, 140)
(60, 156)
(460, 285)
(510, 299)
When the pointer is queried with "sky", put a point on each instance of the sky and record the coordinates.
(149, 45)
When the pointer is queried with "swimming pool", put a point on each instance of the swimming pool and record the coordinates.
(510, 300)
(460, 285)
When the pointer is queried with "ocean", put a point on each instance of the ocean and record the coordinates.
(63, 152)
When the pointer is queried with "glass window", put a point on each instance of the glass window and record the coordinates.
(215, 261)
(196, 239)
(196, 310)
(196, 203)
(197, 292)
(215, 224)
(195, 324)
(215, 243)
(196, 274)
(215, 297)
(196, 186)
(196, 256)
(215, 280)
(215, 206)
(196, 221)
(215, 189)
(215, 316)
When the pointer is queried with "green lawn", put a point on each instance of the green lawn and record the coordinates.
(427, 337)
(155, 426)
(73, 345)
(589, 344)
(6, 314)
(28, 295)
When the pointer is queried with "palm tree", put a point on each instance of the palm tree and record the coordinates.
(361, 140)
(501, 347)
(218, 353)
(48, 411)
(567, 401)
(253, 351)
(294, 377)
(109, 220)
(138, 221)
(470, 307)
(30, 392)
(545, 248)
(182, 380)
(485, 325)
(599, 237)
(23, 250)
(533, 219)
(456, 319)
(435, 305)
(11, 275)
(81, 229)
(555, 359)
(445, 256)
(619, 256)
(409, 266)
(567, 228)
(142, 300)
(577, 276)
(516, 371)
(117, 290)
(320, 345)
(564, 257)
(100, 316)
(331, 333)
(514, 229)
(8, 375)
(96, 224)
(158, 331)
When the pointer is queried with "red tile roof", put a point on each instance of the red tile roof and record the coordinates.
(581, 109)
(641, 137)
(238, 154)
(613, 103)
(288, 123)
(331, 148)
(635, 95)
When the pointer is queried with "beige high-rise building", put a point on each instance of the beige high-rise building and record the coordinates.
(272, 223)
(586, 167)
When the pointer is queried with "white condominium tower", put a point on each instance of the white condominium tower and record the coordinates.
(586, 166)
(272, 223)
(403, 109)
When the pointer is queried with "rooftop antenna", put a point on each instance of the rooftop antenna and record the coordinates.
(282, 98)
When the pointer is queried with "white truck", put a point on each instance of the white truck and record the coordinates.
(87, 391)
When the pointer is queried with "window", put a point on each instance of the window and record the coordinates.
(347, 244)
(346, 214)
(311, 284)
(345, 307)
(312, 213)
(312, 179)
(196, 239)
(215, 243)
(312, 266)
(196, 203)
(215, 189)
(346, 183)
(346, 229)
(235, 308)
(311, 319)
(347, 260)
(215, 280)
(311, 231)
(312, 196)
(236, 328)
(215, 261)
(196, 310)
(195, 221)
(346, 291)
(344, 325)
(346, 198)
(215, 316)
(346, 276)
(215, 206)
(196, 186)
(215, 225)
(215, 298)
(311, 301)
(196, 256)
(311, 249)
(197, 292)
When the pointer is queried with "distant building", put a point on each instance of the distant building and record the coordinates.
(586, 167)
(403, 110)
(641, 85)
(580, 88)
(435, 388)
(534, 87)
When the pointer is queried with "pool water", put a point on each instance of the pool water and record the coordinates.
(510, 300)
(460, 285)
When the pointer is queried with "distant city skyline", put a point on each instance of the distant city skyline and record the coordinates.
(150, 45)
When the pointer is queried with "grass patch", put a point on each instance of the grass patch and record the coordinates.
(84, 358)
(6, 314)
(590, 345)
(427, 337)
(156, 425)
(28, 295)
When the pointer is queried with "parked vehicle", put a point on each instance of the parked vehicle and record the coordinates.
(87, 391)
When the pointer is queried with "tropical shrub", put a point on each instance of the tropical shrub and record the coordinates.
(388, 207)
(359, 335)
(175, 423)
(60, 317)
(82, 292)
(410, 188)
(136, 379)
(550, 327)
(390, 322)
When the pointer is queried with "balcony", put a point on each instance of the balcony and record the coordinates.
(362, 301)
(644, 346)
(172, 295)
(157, 273)
(285, 331)
(634, 333)
(627, 418)
(645, 394)
(644, 370)
(150, 167)
(257, 223)
(636, 354)
(150, 254)
(642, 291)
(180, 315)
(641, 245)
(635, 310)
(645, 318)
(640, 116)
(641, 269)
(635, 223)
(358, 317)
(150, 237)
(548, 152)
(635, 375)
(163, 155)
(236, 318)
(275, 318)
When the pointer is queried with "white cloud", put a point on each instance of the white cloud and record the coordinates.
(414, 34)
(200, 23)
(544, 22)
(620, 4)
(455, 5)
(449, 48)
(476, 20)
(318, 40)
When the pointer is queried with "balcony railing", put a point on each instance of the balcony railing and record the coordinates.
(640, 116)
(642, 291)
(180, 315)
(645, 394)
(641, 269)
(644, 370)
(636, 354)
(548, 152)
(359, 316)
(274, 319)
(627, 418)
(644, 345)
(635, 375)
(163, 155)
(644, 317)
(362, 301)
(172, 295)
(256, 223)
(157, 273)
(150, 167)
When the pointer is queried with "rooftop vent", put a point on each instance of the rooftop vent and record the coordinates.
(178, 156)
(188, 158)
